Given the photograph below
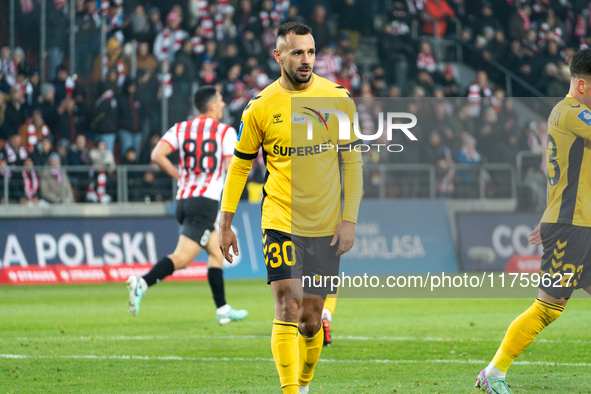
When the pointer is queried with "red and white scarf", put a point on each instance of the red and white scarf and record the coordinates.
(57, 173)
(213, 26)
(171, 40)
(70, 85)
(32, 134)
(106, 64)
(426, 61)
(31, 183)
(101, 184)
(197, 43)
(165, 82)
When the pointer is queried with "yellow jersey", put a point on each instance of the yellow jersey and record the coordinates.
(302, 189)
(568, 159)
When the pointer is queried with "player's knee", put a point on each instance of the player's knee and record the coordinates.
(309, 327)
(179, 261)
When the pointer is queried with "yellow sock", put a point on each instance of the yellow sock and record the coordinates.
(284, 343)
(310, 349)
(523, 331)
(330, 304)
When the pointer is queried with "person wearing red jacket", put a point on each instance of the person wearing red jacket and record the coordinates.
(441, 11)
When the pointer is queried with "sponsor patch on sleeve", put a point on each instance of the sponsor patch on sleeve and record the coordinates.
(242, 125)
(585, 116)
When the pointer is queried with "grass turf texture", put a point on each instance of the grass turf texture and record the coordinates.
(71, 338)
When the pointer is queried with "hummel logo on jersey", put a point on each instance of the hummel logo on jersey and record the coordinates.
(277, 119)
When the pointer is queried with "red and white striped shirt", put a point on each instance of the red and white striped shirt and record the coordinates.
(203, 143)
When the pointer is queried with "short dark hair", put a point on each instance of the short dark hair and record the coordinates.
(293, 27)
(203, 97)
(580, 64)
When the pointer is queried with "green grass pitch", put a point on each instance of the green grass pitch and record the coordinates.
(80, 339)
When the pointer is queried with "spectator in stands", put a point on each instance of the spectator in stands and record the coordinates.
(14, 151)
(354, 20)
(148, 148)
(57, 35)
(293, 15)
(54, 181)
(101, 156)
(144, 60)
(2, 114)
(251, 46)
(438, 154)
(479, 92)
(229, 58)
(106, 119)
(18, 56)
(79, 153)
(239, 101)
(186, 56)
(179, 103)
(139, 27)
(439, 10)
(319, 26)
(467, 179)
(232, 77)
(425, 58)
(489, 134)
(449, 84)
(422, 86)
(559, 85)
(31, 195)
(69, 122)
(397, 53)
(62, 148)
(112, 60)
(155, 21)
(497, 48)
(87, 34)
(40, 154)
(33, 131)
(486, 20)
(14, 115)
(327, 64)
(63, 84)
(8, 67)
(168, 42)
(132, 116)
(519, 22)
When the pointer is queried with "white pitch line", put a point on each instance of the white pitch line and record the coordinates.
(251, 359)
(242, 337)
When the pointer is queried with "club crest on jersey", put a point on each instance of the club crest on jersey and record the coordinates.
(322, 120)
(240, 130)
(585, 116)
(298, 119)
(277, 119)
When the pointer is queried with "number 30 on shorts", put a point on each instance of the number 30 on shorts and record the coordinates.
(279, 253)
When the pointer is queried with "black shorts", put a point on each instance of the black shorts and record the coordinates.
(314, 259)
(567, 258)
(197, 216)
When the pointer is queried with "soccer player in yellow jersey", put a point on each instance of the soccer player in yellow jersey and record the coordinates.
(305, 230)
(565, 228)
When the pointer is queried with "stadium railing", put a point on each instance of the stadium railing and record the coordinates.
(145, 183)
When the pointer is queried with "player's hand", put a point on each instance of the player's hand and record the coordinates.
(534, 237)
(227, 238)
(344, 234)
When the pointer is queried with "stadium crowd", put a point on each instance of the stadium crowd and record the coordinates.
(110, 111)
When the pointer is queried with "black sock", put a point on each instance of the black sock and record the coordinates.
(216, 282)
(159, 271)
